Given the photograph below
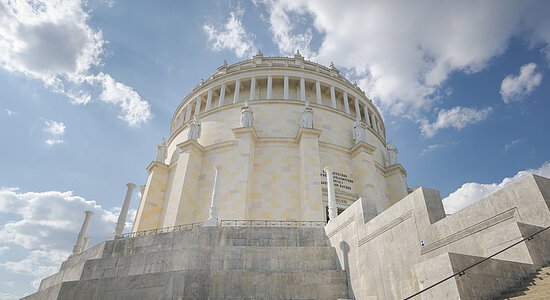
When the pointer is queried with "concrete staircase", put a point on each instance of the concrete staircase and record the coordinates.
(205, 263)
(536, 286)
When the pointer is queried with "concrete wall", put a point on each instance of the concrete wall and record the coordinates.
(412, 244)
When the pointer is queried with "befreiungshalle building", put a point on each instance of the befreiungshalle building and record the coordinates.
(278, 182)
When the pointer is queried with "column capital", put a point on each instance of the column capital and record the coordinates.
(131, 186)
(362, 147)
(155, 164)
(190, 145)
(328, 169)
(89, 213)
(306, 131)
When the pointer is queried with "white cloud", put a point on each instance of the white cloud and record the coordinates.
(53, 42)
(233, 36)
(402, 52)
(431, 148)
(4, 249)
(55, 131)
(10, 112)
(456, 117)
(516, 88)
(47, 224)
(472, 192)
(511, 144)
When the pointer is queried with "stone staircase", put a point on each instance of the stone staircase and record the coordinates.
(205, 263)
(536, 286)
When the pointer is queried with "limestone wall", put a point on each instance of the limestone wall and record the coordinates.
(412, 244)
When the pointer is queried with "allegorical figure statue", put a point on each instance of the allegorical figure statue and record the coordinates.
(247, 116)
(194, 128)
(359, 131)
(161, 151)
(391, 154)
(306, 121)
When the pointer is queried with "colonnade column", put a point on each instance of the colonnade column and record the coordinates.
(80, 239)
(285, 88)
(198, 105)
(237, 91)
(367, 116)
(188, 112)
(124, 211)
(357, 109)
(332, 97)
(346, 103)
(213, 213)
(222, 95)
(311, 203)
(269, 87)
(302, 89)
(332, 209)
(208, 100)
(318, 92)
(252, 88)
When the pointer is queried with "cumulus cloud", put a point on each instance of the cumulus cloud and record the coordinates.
(472, 192)
(516, 88)
(402, 52)
(233, 36)
(511, 144)
(456, 117)
(431, 148)
(53, 42)
(55, 131)
(47, 225)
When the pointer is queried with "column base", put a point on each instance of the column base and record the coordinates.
(211, 222)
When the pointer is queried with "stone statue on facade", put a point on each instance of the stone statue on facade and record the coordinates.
(306, 120)
(247, 116)
(359, 131)
(391, 154)
(161, 151)
(194, 128)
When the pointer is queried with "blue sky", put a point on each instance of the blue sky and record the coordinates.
(87, 90)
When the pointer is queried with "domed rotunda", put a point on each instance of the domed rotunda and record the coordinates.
(271, 138)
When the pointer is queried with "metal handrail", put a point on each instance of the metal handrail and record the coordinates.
(228, 223)
(272, 223)
(463, 271)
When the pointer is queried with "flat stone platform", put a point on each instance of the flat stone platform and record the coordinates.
(204, 263)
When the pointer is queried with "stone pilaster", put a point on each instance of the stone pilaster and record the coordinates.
(183, 196)
(152, 198)
(245, 140)
(396, 183)
(364, 173)
(311, 197)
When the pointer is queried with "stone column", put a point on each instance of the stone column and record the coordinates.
(182, 200)
(198, 105)
(357, 109)
(237, 91)
(285, 88)
(332, 209)
(252, 88)
(85, 244)
(148, 215)
(332, 97)
(124, 211)
(208, 100)
(188, 112)
(222, 95)
(213, 214)
(269, 87)
(311, 195)
(367, 117)
(346, 102)
(302, 89)
(80, 239)
(318, 92)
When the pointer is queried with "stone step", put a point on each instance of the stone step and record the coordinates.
(212, 285)
(535, 287)
(215, 258)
